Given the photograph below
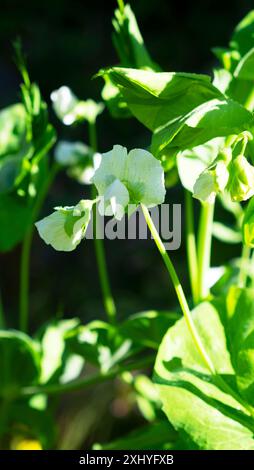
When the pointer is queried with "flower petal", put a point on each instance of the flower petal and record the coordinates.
(145, 178)
(115, 200)
(65, 228)
(112, 166)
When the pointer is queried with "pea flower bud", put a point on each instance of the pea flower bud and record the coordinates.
(241, 179)
(214, 179)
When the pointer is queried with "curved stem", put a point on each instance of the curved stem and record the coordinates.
(80, 384)
(187, 315)
(26, 251)
(191, 246)
(243, 273)
(204, 248)
(108, 300)
(179, 291)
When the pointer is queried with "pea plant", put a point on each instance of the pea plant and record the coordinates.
(191, 371)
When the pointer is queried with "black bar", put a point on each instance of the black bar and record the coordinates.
(108, 459)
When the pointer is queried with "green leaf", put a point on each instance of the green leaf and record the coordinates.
(16, 211)
(19, 362)
(148, 328)
(12, 129)
(157, 436)
(240, 310)
(128, 40)
(156, 98)
(245, 68)
(226, 234)
(195, 402)
(243, 36)
(215, 118)
(55, 357)
(101, 344)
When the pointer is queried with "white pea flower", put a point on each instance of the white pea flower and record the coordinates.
(79, 160)
(128, 178)
(69, 109)
(65, 228)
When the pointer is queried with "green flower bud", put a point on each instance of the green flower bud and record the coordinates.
(211, 181)
(248, 225)
(241, 179)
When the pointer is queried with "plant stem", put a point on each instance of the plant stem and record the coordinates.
(187, 315)
(2, 317)
(80, 384)
(108, 300)
(204, 248)
(243, 273)
(191, 246)
(26, 251)
(249, 103)
(179, 291)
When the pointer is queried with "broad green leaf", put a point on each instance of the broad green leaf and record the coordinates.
(215, 118)
(226, 234)
(158, 435)
(195, 402)
(156, 98)
(19, 362)
(240, 306)
(245, 68)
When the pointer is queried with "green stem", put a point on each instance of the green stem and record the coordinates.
(249, 103)
(243, 273)
(80, 384)
(191, 246)
(108, 300)
(204, 248)
(2, 317)
(179, 291)
(187, 314)
(26, 251)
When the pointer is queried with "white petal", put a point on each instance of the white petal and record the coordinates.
(64, 102)
(65, 228)
(145, 178)
(112, 167)
(115, 200)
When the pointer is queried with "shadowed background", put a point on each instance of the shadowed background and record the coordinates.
(66, 43)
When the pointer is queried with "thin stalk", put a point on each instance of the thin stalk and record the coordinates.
(191, 246)
(243, 274)
(80, 384)
(2, 317)
(204, 248)
(26, 252)
(179, 291)
(108, 300)
(187, 314)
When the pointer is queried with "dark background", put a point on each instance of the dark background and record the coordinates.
(66, 43)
